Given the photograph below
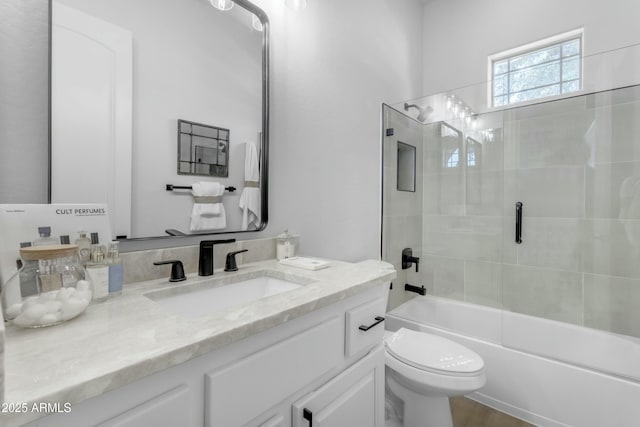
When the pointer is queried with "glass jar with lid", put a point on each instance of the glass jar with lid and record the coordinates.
(50, 288)
(285, 245)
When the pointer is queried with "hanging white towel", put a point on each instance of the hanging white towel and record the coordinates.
(208, 211)
(250, 198)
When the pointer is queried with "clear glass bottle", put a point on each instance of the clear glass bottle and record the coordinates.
(115, 268)
(98, 269)
(45, 237)
(84, 247)
(62, 290)
(285, 245)
(27, 274)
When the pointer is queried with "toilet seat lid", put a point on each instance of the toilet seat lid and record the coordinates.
(433, 353)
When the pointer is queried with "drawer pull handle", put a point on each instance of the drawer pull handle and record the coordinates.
(308, 415)
(379, 319)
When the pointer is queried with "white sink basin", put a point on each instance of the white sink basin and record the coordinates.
(200, 301)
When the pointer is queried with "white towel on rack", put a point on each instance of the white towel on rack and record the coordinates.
(249, 202)
(208, 216)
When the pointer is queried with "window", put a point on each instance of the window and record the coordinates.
(453, 159)
(545, 68)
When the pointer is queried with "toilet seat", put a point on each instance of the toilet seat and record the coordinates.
(432, 353)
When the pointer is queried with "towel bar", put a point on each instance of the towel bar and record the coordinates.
(171, 187)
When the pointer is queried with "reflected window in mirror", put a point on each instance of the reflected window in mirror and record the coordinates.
(451, 140)
(474, 153)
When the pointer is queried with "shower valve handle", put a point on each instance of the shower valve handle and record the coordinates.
(408, 259)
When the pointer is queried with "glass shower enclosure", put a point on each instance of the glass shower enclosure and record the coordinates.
(531, 209)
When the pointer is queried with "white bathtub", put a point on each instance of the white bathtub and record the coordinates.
(545, 372)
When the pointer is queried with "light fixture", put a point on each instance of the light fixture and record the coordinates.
(460, 110)
(296, 4)
(222, 4)
(449, 102)
(255, 23)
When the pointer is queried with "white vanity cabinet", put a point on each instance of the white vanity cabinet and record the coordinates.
(322, 361)
(243, 391)
(354, 398)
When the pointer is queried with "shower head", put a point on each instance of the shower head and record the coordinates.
(423, 113)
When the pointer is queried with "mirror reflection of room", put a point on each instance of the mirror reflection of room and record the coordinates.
(120, 84)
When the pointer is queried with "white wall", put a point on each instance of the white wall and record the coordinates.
(333, 65)
(460, 34)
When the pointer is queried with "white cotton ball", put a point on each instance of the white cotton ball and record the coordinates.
(65, 293)
(30, 302)
(35, 311)
(50, 318)
(84, 295)
(23, 321)
(52, 306)
(48, 296)
(14, 310)
(83, 285)
(30, 316)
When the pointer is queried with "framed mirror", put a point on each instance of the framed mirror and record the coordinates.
(126, 78)
(202, 149)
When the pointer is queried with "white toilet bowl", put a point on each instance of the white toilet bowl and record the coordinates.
(423, 370)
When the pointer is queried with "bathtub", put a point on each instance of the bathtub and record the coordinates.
(545, 372)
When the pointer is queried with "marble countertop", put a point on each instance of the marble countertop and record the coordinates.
(130, 336)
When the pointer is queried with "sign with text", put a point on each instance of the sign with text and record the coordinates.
(20, 223)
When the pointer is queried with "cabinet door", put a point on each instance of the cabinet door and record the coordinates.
(243, 390)
(165, 410)
(353, 398)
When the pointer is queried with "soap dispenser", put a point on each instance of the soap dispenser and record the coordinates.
(286, 245)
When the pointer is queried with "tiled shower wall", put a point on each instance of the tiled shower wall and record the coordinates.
(575, 165)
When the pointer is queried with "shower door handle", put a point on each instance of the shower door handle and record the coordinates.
(518, 222)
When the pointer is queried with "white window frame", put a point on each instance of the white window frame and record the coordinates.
(530, 47)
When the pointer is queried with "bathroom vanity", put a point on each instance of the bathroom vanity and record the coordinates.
(309, 355)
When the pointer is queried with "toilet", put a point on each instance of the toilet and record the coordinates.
(424, 370)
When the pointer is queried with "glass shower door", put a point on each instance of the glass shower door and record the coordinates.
(462, 209)
(571, 288)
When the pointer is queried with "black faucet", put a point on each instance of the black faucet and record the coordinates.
(205, 260)
(177, 270)
(408, 259)
(230, 264)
